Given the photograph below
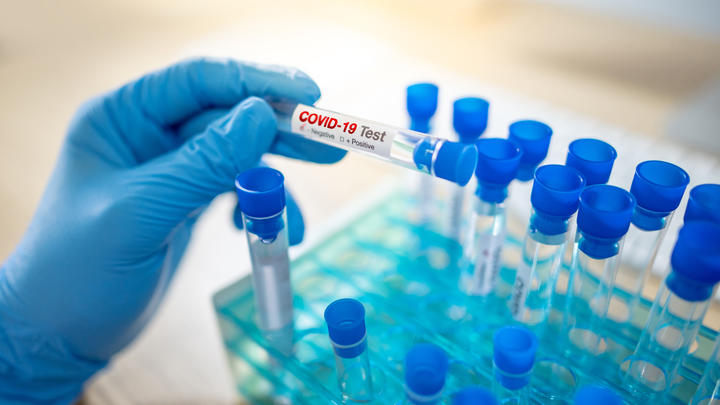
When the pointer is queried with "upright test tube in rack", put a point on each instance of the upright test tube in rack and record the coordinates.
(426, 367)
(514, 350)
(703, 203)
(421, 104)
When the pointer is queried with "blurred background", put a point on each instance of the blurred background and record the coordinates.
(651, 68)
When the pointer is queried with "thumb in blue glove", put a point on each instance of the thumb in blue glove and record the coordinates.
(118, 213)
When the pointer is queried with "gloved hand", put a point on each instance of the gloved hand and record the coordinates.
(138, 166)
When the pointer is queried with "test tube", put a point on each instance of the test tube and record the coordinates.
(426, 367)
(441, 158)
(421, 103)
(704, 203)
(677, 312)
(534, 140)
(708, 390)
(345, 320)
(514, 350)
(498, 160)
(602, 221)
(470, 116)
(261, 198)
(554, 198)
(474, 396)
(596, 395)
(658, 188)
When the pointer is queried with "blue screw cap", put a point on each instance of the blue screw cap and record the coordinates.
(261, 192)
(696, 254)
(596, 395)
(456, 162)
(498, 161)
(345, 320)
(605, 211)
(659, 186)
(470, 116)
(534, 139)
(593, 158)
(514, 350)
(474, 396)
(704, 203)
(426, 367)
(422, 101)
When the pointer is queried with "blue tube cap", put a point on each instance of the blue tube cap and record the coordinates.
(426, 367)
(659, 186)
(593, 158)
(514, 350)
(456, 162)
(498, 161)
(345, 320)
(422, 101)
(596, 395)
(696, 254)
(605, 211)
(704, 203)
(470, 116)
(261, 192)
(534, 139)
(474, 396)
(556, 190)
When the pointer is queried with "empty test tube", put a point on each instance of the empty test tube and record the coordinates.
(555, 194)
(677, 312)
(345, 320)
(602, 221)
(441, 158)
(658, 188)
(708, 390)
(261, 197)
(421, 103)
(426, 367)
(596, 395)
(498, 160)
(470, 116)
(474, 396)
(534, 140)
(514, 350)
(704, 203)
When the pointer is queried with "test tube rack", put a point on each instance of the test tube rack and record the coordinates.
(406, 276)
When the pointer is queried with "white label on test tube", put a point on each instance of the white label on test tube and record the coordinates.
(342, 130)
(487, 265)
(520, 291)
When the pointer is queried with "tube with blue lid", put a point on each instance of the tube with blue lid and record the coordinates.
(677, 312)
(514, 350)
(426, 367)
(498, 160)
(708, 390)
(534, 140)
(597, 395)
(658, 188)
(704, 203)
(474, 396)
(470, 116)
(555, 198)
(261, 198)
(441, 158)
(345, 320)
(603, 219)
(421, 103)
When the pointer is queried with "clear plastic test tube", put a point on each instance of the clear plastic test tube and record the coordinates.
(708, 390)
(447, 160)
(602, 221)
(474, 396)
(261, 197)
(534, 140)
(596, 395)
(555, 198)
(426, 367)
(658, 188)
(470, 116)
(703, 204)
(345, 320)
(514, 350)
(498, 160)
(677, 312)
(421, 104)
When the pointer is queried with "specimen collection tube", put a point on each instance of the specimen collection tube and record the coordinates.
(426, 367)
(421, 103)
(514, 350)
(708, 391)
(448, 160)
(703, 204)
(677, 312)
(474, 396)
(345, 320)
(498, 161)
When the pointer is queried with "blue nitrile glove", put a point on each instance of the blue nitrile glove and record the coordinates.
(137, 168)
